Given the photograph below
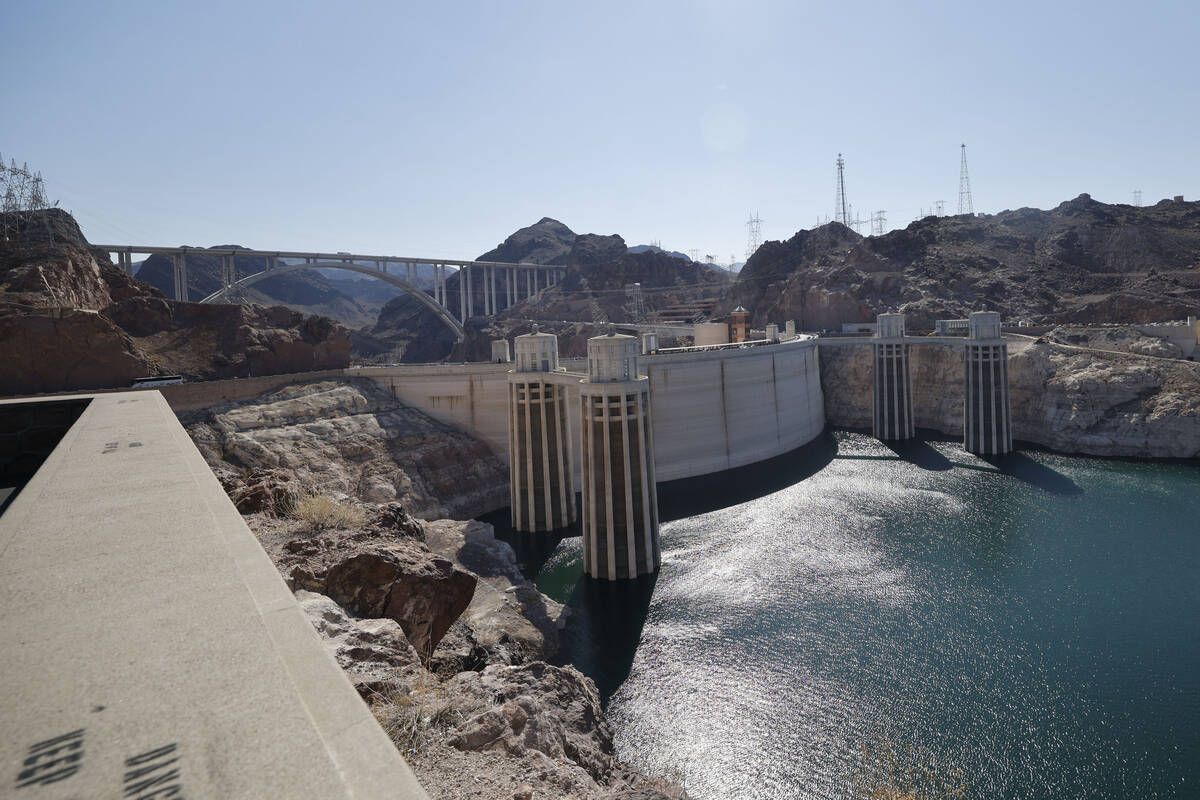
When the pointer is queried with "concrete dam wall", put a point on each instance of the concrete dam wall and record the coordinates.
(712, 410)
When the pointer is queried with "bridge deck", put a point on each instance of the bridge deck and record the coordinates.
(142, 622)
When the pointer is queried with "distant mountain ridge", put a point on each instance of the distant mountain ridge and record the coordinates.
(1082, 261)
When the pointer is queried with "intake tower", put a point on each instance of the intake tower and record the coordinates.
(620, 502)
(893, 411)
(987, 414)
(540, 455)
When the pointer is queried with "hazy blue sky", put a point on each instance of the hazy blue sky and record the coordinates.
(439, 128)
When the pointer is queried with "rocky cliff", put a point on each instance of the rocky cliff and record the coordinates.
(1070, 399)
(353, 437)
(1083, 261)
(443, 636)
(70, 320)
(599, 269)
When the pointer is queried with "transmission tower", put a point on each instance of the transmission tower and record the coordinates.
(840, 212)
(1137, 197)
(940, 207)
(965, 204)
(754, 234)
(878, 223)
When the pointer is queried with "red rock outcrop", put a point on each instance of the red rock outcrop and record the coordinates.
(70, 320)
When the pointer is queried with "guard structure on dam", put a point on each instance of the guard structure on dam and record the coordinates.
(987, 412)
(892, 408)
(540, 453)
(620, 501)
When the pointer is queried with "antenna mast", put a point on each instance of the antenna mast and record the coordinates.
(965, 204)
(840, 213)
(754, 234)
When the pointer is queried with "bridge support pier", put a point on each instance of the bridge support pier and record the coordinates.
(892, 419)
(540, 456)
(987, 410)
(179, 262)
(470, 289)
(620, 500)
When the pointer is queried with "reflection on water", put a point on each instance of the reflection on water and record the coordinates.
(1031, 620)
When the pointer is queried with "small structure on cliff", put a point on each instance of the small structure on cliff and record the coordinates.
(620, 500)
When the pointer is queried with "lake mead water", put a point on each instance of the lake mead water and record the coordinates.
(1034, 624)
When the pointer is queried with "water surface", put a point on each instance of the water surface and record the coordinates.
(1033, 622)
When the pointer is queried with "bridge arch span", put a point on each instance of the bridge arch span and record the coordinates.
(386, 277)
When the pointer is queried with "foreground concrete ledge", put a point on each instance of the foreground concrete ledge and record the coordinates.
(150, 647)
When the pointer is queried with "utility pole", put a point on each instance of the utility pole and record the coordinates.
(840, 212)
(965, 204)
(878, 223)
(754, 234)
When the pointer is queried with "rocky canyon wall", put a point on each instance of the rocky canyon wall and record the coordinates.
(1068, 399)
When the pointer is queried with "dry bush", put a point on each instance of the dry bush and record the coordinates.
(420, 714)
(319, 512)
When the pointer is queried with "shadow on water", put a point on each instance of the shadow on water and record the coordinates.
(692, 496)
(602, 635)
(918, 453)
(1025, 469)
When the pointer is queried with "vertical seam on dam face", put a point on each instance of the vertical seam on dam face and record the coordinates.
(775, 397)
(724, 414)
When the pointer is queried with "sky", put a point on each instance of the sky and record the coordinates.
(438, 129)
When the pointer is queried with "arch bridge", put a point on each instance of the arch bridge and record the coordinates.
(492, 286)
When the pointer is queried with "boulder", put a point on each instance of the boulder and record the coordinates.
(551, 710)
(373, 652)
(264, 491)
(373, 576)
(508, 617)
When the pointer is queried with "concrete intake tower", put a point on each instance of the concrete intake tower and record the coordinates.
(893, 411)
(620, 502)
(987, 412)
(540, 453)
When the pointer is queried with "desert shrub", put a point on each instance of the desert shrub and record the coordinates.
(319, 512)
(420, 714)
